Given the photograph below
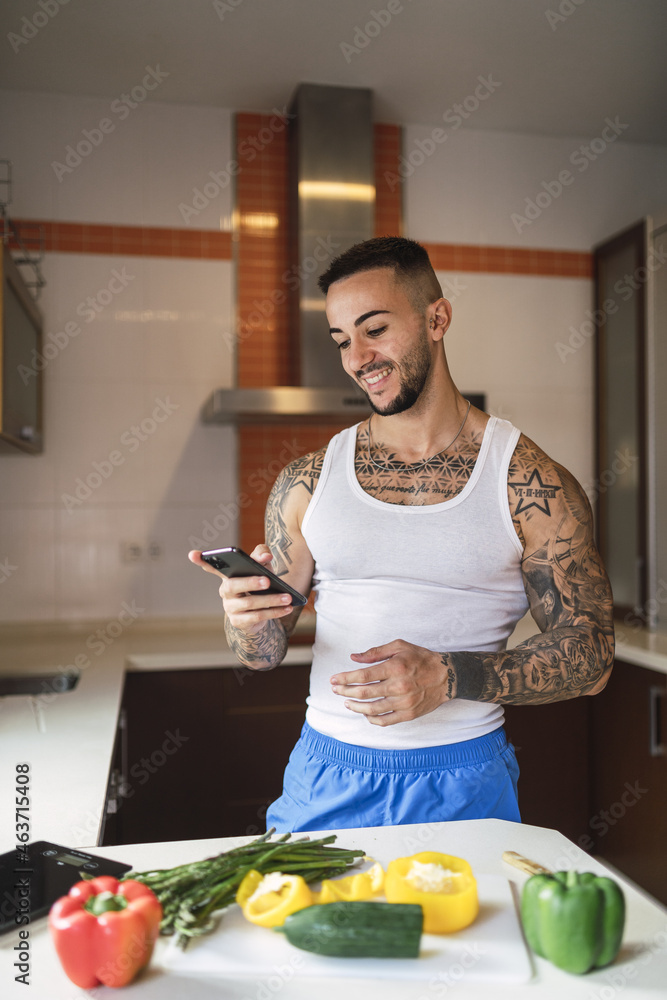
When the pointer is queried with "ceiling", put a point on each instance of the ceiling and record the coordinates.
(558, 67)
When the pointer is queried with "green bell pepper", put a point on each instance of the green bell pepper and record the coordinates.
(573, 919)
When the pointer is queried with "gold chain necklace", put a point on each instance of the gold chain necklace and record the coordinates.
(417, 465)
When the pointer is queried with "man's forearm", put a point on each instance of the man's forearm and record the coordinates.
(559, 664)
(259, 650)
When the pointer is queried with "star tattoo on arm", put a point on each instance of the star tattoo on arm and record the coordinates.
(567, 588)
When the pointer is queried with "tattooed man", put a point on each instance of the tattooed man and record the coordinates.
(427, 531)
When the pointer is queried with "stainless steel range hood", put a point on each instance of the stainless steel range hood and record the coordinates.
(332, 203)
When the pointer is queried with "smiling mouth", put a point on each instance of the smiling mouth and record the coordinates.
(376, 376)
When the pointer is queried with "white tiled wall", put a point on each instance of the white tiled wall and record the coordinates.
(139, 173)
(503, 341)
(472, 184)
(160, 344)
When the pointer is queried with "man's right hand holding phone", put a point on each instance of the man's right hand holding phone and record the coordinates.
(245, 611)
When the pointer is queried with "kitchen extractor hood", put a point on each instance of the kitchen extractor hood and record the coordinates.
(332, 204)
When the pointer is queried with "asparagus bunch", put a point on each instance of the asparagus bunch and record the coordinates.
(192, 894)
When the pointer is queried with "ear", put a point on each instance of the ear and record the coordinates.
(439, 317)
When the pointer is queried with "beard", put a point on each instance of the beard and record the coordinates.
(415, 369)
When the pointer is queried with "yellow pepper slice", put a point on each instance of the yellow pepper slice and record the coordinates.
(363, 885)
(267, 900)
(444, 887)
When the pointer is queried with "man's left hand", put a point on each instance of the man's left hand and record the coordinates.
(409, 682)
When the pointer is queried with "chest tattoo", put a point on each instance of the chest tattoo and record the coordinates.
(440, 479)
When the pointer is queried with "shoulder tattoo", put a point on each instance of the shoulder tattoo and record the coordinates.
(301, 475)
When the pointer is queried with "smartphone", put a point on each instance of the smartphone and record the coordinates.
(235, 562)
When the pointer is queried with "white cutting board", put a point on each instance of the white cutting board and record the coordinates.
(491, 950)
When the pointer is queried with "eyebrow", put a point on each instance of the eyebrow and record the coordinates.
(361, 319)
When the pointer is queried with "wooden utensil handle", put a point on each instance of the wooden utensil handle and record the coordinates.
(525, 864)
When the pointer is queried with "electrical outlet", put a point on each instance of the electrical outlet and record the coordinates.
(130, 552)
(154, 551)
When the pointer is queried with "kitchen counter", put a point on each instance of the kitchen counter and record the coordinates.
(640, 970)
(68, 738)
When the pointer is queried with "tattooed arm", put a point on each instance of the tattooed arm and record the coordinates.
(258, 627)
(567, 588)
(570, 600)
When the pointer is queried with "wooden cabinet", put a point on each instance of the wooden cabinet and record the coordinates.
(201, 753)
(551, 743)
(629, 767)
(596, 770)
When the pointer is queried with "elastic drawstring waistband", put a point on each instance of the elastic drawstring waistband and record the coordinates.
(440, 758)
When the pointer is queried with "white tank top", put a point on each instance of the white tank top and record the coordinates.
(445, 576)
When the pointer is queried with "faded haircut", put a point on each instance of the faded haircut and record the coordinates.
(407, 258)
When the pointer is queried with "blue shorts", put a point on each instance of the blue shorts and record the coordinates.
(330, 785)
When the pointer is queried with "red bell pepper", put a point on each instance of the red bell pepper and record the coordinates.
(104, 930)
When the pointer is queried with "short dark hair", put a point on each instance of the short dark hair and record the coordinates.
(407, 258)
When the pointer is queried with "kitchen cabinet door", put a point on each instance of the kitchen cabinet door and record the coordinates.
(629, 775)
(551, 743)
(172, 783)
(263, 716)
(621, 415)
(202, 752)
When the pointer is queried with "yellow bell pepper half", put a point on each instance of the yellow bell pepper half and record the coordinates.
(267, 900)
(363, 885)
(444, 887)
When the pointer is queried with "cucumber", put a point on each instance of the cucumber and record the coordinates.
(357, 929)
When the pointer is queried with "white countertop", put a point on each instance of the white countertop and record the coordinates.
(639, 971)
(68, 738)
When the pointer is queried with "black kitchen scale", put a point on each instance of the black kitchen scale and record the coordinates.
(33, 876)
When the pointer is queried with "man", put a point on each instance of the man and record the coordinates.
(427, 531)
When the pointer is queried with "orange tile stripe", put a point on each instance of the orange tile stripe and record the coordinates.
(136, 241)
(387, 141)
(510, 260)
(208, 244)
(265, 354)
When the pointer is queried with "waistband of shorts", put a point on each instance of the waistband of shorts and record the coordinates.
(451, 755)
